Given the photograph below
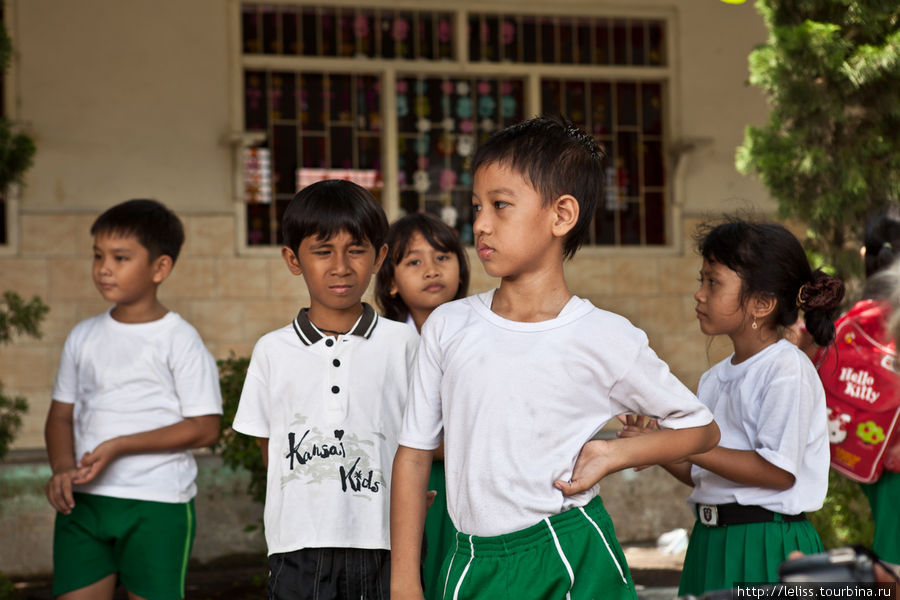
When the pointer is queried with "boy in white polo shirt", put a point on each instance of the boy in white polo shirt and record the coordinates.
(325, 395)
(518, 380)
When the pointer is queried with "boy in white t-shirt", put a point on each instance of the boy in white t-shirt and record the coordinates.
(517, 381)
(135, 391)
(325, 394)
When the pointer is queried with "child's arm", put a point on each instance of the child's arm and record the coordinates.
(190, 432)
(741, 466)
(264, 448)
(409, 482)
(744, 466)
(599, 458)
(60, 440)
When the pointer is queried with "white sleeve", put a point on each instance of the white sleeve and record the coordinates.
(422, 421)
(252, 416)
(65, 389)
(196, 376)
(783, 418)
(649, 388)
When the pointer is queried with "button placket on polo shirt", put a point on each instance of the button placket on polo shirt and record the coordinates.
(337, 381)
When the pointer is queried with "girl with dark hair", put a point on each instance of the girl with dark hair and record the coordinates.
(425, 267)
(751, 492)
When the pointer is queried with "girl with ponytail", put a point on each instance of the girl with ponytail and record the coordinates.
(751, 493)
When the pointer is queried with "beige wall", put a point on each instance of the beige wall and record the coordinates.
(128, 98)
(125, 99)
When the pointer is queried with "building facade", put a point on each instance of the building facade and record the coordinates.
(221, 108)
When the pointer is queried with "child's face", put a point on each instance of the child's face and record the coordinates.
(513, 227)
(425, 277)
(719, 308)
(337, 270)
(123, 271)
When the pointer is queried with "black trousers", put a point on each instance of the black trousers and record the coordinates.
(330, 574)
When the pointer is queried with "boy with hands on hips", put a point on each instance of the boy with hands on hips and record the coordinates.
(513, 379)
(135, 391)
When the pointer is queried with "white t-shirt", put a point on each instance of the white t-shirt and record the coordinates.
(517, 401)
(772, 403)
(126, 378)
(331, 409)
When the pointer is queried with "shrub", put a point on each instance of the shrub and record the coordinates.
(845, 519)
(238, 451)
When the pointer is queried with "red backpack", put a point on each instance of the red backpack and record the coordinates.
(862, 391)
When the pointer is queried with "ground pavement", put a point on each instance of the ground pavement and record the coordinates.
(243, 578)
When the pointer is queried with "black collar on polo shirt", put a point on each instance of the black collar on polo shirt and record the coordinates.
(309, 335)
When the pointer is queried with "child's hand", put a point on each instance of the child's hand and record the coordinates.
(429, 498)
(59, 490)
(593, 464)
(637, 425)
(93, 463)
(892, 458)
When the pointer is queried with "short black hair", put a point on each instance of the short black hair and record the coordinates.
(557, 158)
(328, 207)
(441, 237)
(156, 227)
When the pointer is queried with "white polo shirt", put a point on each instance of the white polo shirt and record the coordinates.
(517, 401)
(331, 408)
(772, 403)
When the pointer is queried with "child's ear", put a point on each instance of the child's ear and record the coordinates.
(764, 305)
(565, 214)
(379, 257)
(161, 268)
(291, 260)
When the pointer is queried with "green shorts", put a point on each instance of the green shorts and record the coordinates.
(146, 543)
(572, 555)
(883, 496)
(440, 534)
(719, 557)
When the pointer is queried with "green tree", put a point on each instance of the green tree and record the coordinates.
(830, 153)
(17, 317)
(16, 149)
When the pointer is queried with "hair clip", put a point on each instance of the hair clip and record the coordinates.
(588, 142)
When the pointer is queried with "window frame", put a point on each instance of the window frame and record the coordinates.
(390, 69)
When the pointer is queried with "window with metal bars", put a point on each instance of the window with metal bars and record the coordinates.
(331, 90)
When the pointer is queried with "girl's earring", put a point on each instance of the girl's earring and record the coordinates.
(754, 325)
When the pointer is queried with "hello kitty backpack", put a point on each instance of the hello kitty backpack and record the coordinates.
(862, 391)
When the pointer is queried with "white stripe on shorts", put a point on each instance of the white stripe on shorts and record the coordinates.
(608, 549)
(562, 557)
(450, 568)
(466, 570)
